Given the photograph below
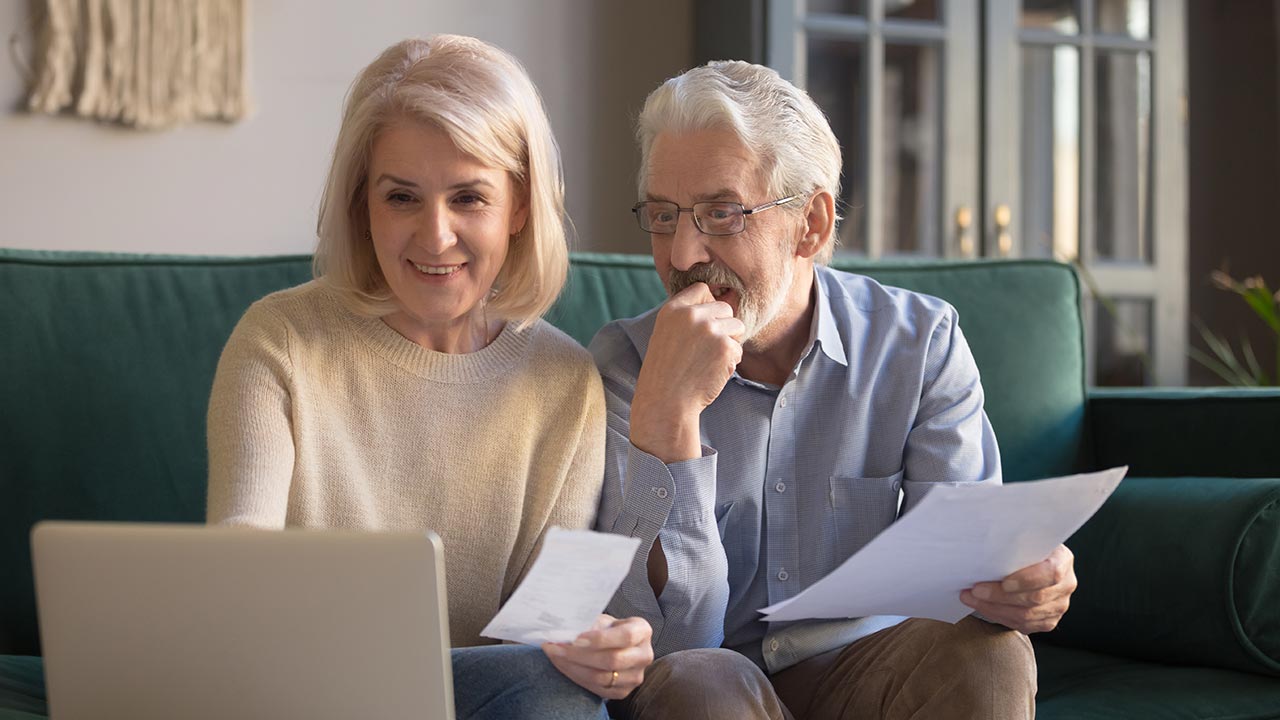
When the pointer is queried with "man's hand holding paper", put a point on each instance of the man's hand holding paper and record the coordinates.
(1031, 600)
(932, 561)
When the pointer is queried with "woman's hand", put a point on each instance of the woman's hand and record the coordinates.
(609, 659)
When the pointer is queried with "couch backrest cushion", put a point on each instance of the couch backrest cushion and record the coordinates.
(105, 368)
(107, 360)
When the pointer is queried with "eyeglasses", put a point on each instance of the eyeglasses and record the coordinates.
(712, 218)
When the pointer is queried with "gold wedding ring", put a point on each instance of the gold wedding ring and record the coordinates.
(612, 680)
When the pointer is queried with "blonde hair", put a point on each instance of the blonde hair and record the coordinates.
(482, 98)
(777, 120)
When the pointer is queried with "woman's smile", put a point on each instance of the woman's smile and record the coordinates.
(437, 273)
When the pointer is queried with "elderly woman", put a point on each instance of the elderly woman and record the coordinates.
(413, 385)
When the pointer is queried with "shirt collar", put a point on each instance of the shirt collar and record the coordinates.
(824, 330)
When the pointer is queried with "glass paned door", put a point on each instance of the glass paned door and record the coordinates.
(898, 79)
(1067, 142)
(1093, 91)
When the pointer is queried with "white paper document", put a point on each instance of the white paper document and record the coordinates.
(956, 536)
(569, 585)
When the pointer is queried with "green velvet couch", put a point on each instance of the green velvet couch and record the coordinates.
(106, 363)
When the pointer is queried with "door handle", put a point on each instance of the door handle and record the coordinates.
(963, 221)
(1004, 239)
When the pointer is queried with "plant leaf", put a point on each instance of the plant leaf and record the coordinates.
(1264, 306)
(1251, 360)
(1213, 366)
(1225, 357)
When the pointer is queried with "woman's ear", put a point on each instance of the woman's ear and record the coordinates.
(819, 224)
(520, 210)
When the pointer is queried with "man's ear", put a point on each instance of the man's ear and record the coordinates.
(819, 224)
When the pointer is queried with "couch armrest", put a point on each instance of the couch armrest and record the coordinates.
(1219, 432)
(22, 693)
(1183, 571)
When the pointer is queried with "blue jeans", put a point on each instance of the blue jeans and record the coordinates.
(495, 682)
(489, 683)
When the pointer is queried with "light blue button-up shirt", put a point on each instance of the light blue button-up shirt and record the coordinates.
(884, 403)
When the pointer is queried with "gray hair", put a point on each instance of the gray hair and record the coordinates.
(777, 120)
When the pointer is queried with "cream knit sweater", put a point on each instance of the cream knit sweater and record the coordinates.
(323, 418)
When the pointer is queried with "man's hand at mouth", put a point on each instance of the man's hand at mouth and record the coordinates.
(692, 354)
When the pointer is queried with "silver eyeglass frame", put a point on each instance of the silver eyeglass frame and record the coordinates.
(635, 210)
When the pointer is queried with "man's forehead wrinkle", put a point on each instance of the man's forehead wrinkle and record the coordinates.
(690, 170)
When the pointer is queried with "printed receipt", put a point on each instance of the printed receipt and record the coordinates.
(569, 585)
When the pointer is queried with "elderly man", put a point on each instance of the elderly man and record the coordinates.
(764, 421)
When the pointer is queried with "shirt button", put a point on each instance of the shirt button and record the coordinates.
(782, 575)
(660, 492)
(782, 401)
(780, 487)
(774, 645)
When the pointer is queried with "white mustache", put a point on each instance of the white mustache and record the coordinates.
(709, 273)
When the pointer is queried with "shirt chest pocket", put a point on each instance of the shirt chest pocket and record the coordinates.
(860, 508)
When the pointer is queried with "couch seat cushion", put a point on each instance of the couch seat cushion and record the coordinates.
(1081, 685)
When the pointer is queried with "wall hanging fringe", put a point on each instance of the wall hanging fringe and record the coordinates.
(143, 63)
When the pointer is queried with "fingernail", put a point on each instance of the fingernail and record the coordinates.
(554, 649)
(982, 592)
(1010, 586)
(581, 642)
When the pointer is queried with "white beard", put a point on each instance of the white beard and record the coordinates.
(759, 307)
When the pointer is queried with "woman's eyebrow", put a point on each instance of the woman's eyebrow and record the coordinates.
(474, 182)
(399, 181)
(477, 182)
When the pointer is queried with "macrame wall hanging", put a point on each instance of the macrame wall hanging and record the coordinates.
(143, 63)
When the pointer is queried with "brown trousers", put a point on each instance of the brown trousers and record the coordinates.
(918, 670)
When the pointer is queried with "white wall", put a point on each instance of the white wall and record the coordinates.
(253, 187)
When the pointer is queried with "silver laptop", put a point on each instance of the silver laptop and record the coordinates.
(169, 621)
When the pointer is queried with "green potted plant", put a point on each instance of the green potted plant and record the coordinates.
(1222, 359)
